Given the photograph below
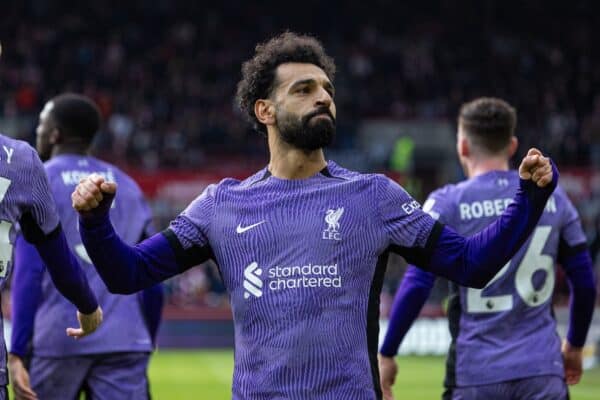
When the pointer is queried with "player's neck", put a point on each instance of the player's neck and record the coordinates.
(288, 162)
(70, 148)
(480, 166)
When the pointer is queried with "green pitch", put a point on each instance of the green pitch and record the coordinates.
(182, 375)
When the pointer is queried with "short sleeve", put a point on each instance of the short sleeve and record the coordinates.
(437, 205)
(404, 222)
(192, 226)
(40, 218)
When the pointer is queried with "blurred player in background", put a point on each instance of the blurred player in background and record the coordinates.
(112, 364)
(504, 340)
(26, 200)
(302, 244)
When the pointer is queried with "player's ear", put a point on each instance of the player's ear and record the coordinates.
(54, 137)
(512, 146)
(264, 109)
(462, 146)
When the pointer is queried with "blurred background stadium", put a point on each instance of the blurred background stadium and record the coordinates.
(164, 75)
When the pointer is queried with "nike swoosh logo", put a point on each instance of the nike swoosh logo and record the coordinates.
(242, 229)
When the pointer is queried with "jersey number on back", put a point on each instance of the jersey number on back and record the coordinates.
(533, 261)
(5, 246)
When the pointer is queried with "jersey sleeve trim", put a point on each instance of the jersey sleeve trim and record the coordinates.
(32, 232)
(190, 257)
(565, 250)
(417, 255)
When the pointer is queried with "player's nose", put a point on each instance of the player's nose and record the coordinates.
(323, 98)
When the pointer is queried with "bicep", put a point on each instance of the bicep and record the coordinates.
(28, 265)
(41, 217)
(419, 277)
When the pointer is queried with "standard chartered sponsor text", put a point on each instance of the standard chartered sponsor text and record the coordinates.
(304, 276)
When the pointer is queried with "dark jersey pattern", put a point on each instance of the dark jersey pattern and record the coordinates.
(505, 331)
(124, 329)
(25, 198)
(303, 260)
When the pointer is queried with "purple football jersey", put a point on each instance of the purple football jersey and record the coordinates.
(23, 191)
(123, 328)
(306, 321)
(506, 330)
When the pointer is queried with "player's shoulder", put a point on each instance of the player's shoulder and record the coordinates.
(451, 191)
(561, 194)
(19, 155)
(490, 182)
(16, 148)
(58, 163)
(120, 176)
(380, 185)
(337, 171)
(233, 184)
(214, 190)
(332, 170)
(448, 191)
(441, 200)
(561, 202)
(342, 174)
(12, 142)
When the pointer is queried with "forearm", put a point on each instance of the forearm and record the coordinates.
(25, 294)
(126, 269)
(474, 261)
(65, 272)
(580, 275)
(152, 304)
(409, 300)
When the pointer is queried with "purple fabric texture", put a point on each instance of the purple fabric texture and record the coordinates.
(474, 261)
(26, 293)
(410, 297)
(580, 275)
(126, 327)
(127, 269)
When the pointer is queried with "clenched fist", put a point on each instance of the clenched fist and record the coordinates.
(536, 167)
(93, 194)
(573, 362)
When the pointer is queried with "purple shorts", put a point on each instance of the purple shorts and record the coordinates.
(114, 376)
(548, 387)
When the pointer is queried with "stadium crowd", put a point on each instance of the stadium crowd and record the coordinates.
(164, 74)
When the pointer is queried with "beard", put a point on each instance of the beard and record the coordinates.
(311, 132)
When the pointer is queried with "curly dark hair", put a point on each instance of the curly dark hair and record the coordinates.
(489, 122)
(258, 73)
